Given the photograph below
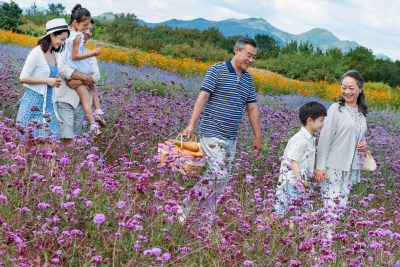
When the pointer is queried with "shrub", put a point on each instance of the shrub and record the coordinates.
(205, 52)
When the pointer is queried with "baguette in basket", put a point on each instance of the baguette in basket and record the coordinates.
(191, 146)
(186, 147)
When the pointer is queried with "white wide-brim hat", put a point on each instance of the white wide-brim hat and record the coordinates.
(55, 25)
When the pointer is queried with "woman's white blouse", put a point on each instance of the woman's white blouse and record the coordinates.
(36, 66)
(337, 144)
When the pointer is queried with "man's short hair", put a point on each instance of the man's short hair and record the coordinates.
(92, 21)
(243, 41)
(311, 110)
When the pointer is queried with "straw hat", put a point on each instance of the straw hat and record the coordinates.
(55, 25)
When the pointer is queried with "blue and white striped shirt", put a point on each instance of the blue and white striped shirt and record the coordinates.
(223, 111)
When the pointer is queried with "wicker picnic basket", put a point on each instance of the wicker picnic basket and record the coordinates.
(186, 157)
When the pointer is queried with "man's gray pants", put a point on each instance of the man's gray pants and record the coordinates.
(204, 195)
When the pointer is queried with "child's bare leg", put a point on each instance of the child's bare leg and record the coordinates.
(95, 96)
(98, 113)
(85, 99)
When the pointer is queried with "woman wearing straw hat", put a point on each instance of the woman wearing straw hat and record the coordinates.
(39, 76)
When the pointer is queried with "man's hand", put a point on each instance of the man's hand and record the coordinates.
(188, 131)
(257, 145)
(320, 175)
(88, 80)
(73, 84)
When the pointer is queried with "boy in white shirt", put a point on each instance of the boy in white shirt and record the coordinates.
(299, 156)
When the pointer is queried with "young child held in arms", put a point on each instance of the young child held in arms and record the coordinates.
(299, 156)
(75, 59)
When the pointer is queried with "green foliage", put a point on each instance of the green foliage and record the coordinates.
(126, 16)
(373, 69)
(35, 16)
(377, 85)
(56, 9)
(361, 54)
(290, 48)
(335, 53)
(268, 47)
(121, 30)
(306, 49)
(31, 28)
(212, 35)
(206, 52)
(34, 21)
(10, 16)
(305, 67)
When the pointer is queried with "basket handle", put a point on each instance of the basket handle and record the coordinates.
(177, 137)
(191, 138)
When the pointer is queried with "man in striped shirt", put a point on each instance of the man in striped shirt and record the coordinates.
(227, 88)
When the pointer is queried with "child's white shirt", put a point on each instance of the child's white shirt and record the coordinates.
(300, 148)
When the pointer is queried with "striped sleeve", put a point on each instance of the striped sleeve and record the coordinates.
(252, 94)
(210, 81)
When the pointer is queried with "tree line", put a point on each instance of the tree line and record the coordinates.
(295, 60)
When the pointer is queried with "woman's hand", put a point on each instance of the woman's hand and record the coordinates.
(53, 82)
(362, 146)
(320, 175)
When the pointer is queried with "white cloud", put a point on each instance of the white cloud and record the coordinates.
(228, 13)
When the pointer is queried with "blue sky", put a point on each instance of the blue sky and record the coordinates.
(371, 23)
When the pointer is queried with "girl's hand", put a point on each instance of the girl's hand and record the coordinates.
(96, 51)
(362, 146)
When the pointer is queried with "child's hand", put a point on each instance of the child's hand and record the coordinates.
(58, 82)
(96, 51)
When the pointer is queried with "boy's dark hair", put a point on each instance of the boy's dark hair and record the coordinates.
(311, 110)
(79, 13)
(45, 42)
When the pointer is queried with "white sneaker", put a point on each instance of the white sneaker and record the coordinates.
(94, 128)
(100, 120)
(182, 215)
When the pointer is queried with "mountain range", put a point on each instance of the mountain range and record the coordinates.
(321, 38)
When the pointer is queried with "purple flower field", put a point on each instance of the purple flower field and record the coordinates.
(109, 202)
